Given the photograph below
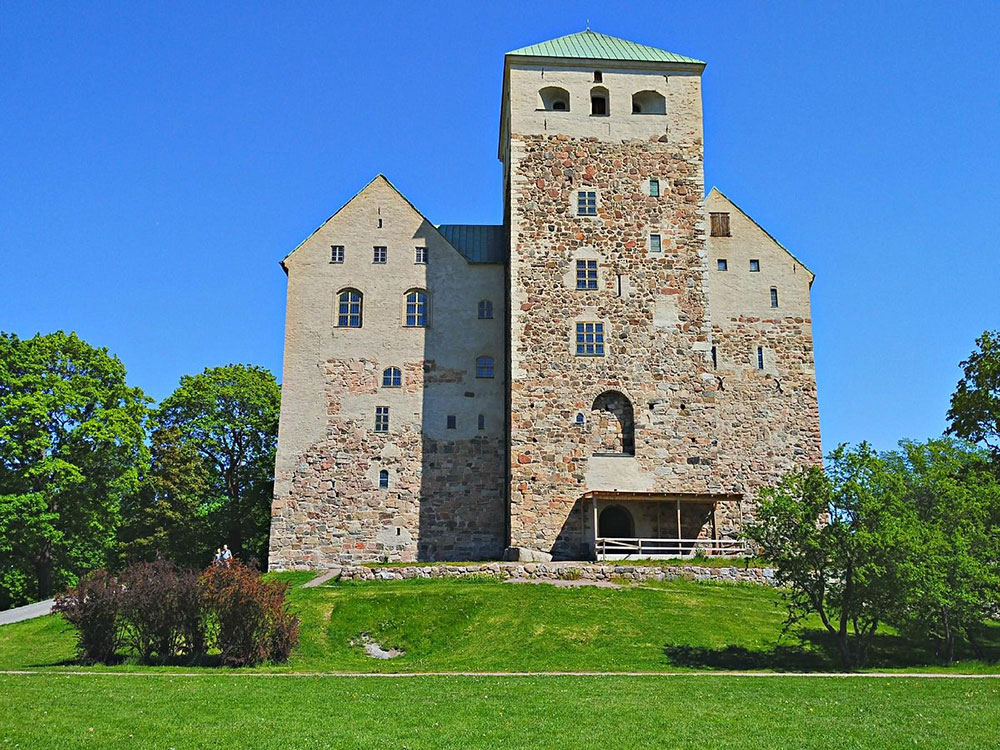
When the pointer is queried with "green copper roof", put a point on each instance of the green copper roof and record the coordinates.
(590, 45)
(478, 243)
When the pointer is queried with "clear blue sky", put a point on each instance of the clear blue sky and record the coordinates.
(158, 159)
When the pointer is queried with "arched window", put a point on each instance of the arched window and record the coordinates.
(600, 102)
(416, 308)
(349, 309)
(485, 309)
(392, 377)
(484, 367)
(579, 418)
(774, 296)
(615, 522)
(648, 103)
(383, 479)
(554, 98)
(613, 424)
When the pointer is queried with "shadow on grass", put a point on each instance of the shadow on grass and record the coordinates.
(818, 653)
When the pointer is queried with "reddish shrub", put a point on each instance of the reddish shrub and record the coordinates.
(252, 617)
(163, 606)
(93, 607)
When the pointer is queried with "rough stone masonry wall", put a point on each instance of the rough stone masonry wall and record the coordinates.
(656, 329)
(444, 501)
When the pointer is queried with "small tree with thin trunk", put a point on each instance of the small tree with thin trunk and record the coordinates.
(831, 536)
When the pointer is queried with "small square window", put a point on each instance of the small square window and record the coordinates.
(590, 339)
(654, 243)
(381, 419)
(586, 274)
(754, 265)
(723, 265)
(336, 253)
(586, 203)
(420, 255)
(720, 224)
(380, 254)
(654, 188)
(452, 421)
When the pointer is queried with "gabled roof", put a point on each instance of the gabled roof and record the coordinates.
(754, 222)
(479, 243)
(590, 45)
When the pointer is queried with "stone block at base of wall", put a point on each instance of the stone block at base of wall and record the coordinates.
(564, 571)
(524, 554)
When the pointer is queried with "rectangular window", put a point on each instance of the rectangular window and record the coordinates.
(586, 203)
(654, 243)
(380, 254)
(774, 297)
(336, 253)
(586, 274)
(760, 358)
(381, 419)
(654, 188)
(723, 265)
(421, 255)
(720, 224)
(452, 421)
(590, 339)
(754, 265)
(482, 421)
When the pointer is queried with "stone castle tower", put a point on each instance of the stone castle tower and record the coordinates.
(623, 359)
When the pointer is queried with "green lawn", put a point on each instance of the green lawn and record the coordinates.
(156, 711)
(484, 625)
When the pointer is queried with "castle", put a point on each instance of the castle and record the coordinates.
(613, 372)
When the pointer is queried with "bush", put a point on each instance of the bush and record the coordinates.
(163, 606)
(93, 607)
(253, 621)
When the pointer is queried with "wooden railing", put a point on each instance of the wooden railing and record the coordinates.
(621, 549)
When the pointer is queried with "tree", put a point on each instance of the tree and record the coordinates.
(832, 538)
(72, 447)
(230, 415)
(949, 569)
(166, 519)
(975, 406)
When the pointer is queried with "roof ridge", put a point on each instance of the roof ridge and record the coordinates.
(595, 45)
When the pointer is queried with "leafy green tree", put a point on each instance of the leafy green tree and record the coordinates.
(831, 537)
(72, 447)
(975, 406)
(949, 563)
(166, 519)
(230, 415)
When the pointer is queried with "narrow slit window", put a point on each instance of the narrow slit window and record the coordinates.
(380, 254)
(590, 339)
(381, 419)
(715, 358)
(482, 422)
(654, 188)
(760, 358)
(586, 274)
(452, 422)
(336, 253)
(774, 297)
(654, 243)
(586, 203)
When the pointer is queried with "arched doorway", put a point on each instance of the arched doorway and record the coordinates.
(615, 522)
(613, 424)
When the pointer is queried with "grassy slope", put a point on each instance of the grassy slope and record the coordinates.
(147, 711)
(455, 625)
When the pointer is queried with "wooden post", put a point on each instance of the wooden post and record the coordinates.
(680, 549)
(715, 528)
(595, 527)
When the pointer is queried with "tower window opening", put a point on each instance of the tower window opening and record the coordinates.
(579, 418)
(598, 77)
(586, 203)
(648, 103)
(722, 264)
(482, 422)
(553, 98)
(484, 367)
(452, 422)
(654, 243)
(654, 188)
(586, 274)
(760, 358)
(590, 339)
(381, 419)
(599, 101)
